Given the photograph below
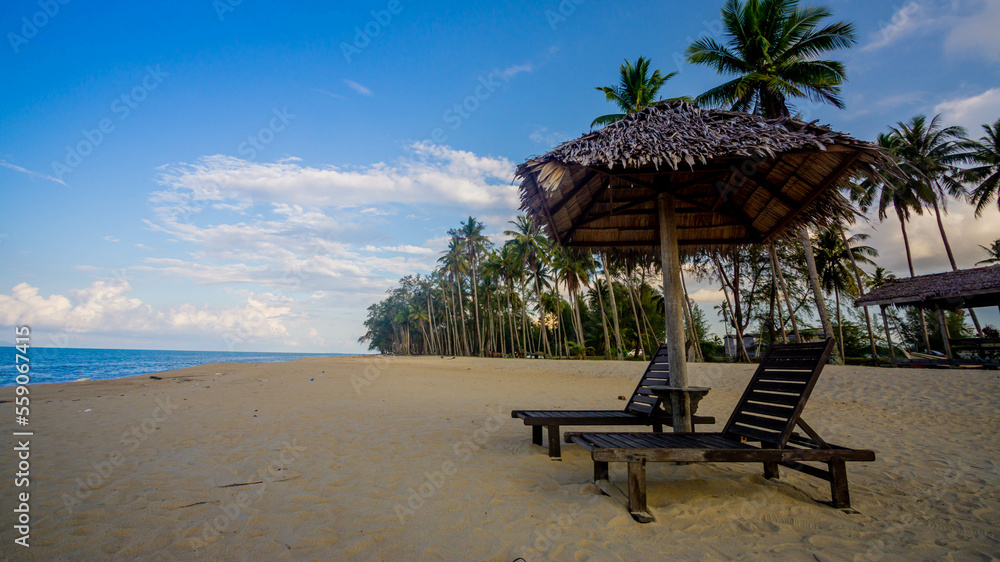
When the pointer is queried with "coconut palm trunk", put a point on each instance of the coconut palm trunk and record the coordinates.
(614, 308)
(562, 325)
(951, 259)
(515, 339)
(543, 333)
(635, 313)
(461, 310)
(909, 264)
(840, 323)
(604, 317)
(695, 336)
(837, 357)
(741, 350)
(861, 293)
(475, 307)
(430, 323)
(448, 320)
(650, 332)
(524, 316)
(776, 264)
(579, 320)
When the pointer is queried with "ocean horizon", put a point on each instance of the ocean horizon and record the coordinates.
(62, 364)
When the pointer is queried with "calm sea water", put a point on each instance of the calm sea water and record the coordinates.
(50, 364)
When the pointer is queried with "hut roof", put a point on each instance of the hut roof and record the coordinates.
(737, 178)
(951, 290)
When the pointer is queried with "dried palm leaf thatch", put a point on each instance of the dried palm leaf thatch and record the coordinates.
(951, 290)
(736, 179)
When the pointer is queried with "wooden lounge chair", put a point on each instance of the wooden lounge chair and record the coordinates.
(766, 414)
(643, 408)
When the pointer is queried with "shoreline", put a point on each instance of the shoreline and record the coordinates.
(361, 457)
(91, 364)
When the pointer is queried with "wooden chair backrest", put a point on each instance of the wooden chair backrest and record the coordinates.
(777, 393)
(643, 402)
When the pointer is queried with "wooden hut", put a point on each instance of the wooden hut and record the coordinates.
(952, 290)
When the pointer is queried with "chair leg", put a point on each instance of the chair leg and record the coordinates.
(637, 492)
(600, 471)
(838, 484)
(536, 435)
(771, 470)
(554, 451)
(658, 428)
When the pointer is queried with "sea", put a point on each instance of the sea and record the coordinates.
(52, 364)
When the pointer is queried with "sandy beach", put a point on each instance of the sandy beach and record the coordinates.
(393, 458)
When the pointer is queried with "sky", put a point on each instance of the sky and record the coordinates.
(248, 175)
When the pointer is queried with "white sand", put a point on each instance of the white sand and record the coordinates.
(342, 464)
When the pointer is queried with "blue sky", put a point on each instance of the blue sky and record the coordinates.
(251, 175)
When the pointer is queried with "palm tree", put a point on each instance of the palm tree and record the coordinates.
(879, 278)
(772, 51)
(540, 275)
(473, 243)
(511, 269)
(492, 279)
(905, 197)
(597, 293)
(861, 290)
(454, 263)
(636, 90)
(571, 270)
(817, 291)
(984, 154)
(531, 245)
(614, 305)
(930, 155)
(994, 252)
(835, 260)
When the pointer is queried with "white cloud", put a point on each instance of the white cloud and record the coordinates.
(358, 88)
(296, 230)
(31, 174)
(110, 238)
(704, 295)
(402, 249)
(971, 112)
(104, 307)
(303, 243)
(907, 19)
(964, 232)
(329, 94)
(431, 174)
(977, 32)
(968, 27)
(512, 71)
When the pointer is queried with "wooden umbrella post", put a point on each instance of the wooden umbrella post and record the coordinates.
(673, 300)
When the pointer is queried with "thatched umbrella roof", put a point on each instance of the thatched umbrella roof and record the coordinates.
(736, 178)
(951, 290)
(675, 178)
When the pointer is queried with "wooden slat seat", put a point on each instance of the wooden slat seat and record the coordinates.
(643, 409)
(761, 429)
